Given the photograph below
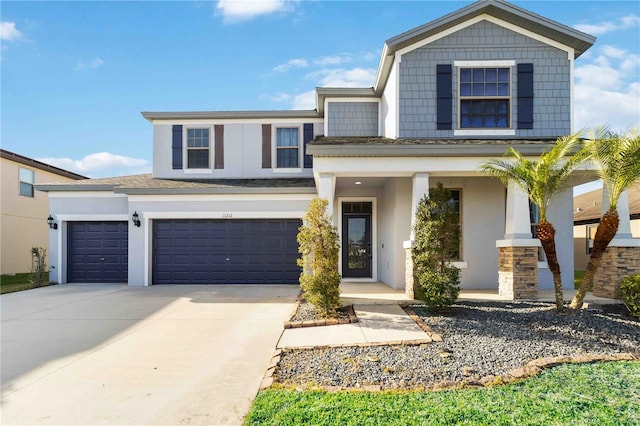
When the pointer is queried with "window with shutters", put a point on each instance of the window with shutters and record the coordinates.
(198, 149)
(287, 148)
(485, 97)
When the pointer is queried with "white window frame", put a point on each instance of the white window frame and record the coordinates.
(480, 131)
(275, 167)
(185, 154)
(32, 183)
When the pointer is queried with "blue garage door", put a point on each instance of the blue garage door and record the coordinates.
(225, 251)
(97, 252)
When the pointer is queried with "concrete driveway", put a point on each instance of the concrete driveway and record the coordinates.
(88, 354)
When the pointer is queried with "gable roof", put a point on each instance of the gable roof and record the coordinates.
(587, 207)
(8, 155)
(500, 9)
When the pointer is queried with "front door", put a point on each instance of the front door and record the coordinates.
(356, 240)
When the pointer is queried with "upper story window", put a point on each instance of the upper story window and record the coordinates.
(198, 152)
(485, 97)
(26, 182)
(287, 148)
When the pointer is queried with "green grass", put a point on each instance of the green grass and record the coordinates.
(577, 278)
(579, 394)
(17, 282)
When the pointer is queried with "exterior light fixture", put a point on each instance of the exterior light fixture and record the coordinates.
(358, 183)
(52, 223)
(136, 219)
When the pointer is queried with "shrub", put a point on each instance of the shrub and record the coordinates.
(436, 244)
(38, 275)
(319, 247)
(630, 292)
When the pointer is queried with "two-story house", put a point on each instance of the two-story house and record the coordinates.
(228, 189)
(23, 210)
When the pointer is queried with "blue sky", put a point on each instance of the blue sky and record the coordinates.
(75, 75)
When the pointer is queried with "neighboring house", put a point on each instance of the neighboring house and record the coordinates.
(228, 189)
(23, 210)
(586, 216)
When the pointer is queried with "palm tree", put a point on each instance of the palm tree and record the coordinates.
(541, 180)
(617, 162)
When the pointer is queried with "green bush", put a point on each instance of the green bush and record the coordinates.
(436, 245)
(319, 247)
(630, 292)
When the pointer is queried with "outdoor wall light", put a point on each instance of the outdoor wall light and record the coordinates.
(136, 219)
(52, 223)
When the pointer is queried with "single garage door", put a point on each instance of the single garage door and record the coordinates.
(97, 252)
(235, 251)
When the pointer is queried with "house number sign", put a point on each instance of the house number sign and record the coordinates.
(227, 215)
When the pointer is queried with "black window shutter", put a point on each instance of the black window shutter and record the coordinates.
(525, 96)
(444, 97)
(176, 147)
(307, 137)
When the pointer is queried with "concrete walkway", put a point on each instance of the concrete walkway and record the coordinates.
(95, 354)
(376, 324)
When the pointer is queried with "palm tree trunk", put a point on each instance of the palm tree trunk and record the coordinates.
(546, 234)
(607, 229)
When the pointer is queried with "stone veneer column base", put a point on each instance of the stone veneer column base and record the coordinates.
(518, 272)
(408, 275)
(617, 263)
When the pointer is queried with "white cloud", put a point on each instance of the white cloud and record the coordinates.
(9, 32)
(604, 27)
(291, 63)
(306, 100)
(334, 59)
(607, 91)
(234, 11)
(96, 63)
(101, 164)
(355, 77)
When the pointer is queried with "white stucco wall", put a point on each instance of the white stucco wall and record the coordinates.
(242, 149)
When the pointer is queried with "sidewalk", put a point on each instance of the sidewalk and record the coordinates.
(376, 324)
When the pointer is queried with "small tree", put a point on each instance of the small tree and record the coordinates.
(617, 162)
(38, 275)
(436, 244)
(319, 247)
(542, 179)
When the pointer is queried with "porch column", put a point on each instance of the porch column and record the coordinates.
(518, 251)
(327, 189)
(622, 257)
(420, 189)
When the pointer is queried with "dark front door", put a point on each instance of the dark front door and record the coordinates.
(356, 240)
(97, 252)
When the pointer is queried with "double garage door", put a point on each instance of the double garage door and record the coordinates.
(234, 251)
(256, 251)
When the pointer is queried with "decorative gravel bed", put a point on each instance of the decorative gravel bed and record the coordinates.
(480, 339)
(306, 312)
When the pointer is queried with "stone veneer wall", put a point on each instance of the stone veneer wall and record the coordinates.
(518, 272)
(408, 275)
(617, 263)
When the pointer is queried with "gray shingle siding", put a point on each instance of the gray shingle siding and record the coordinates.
(485, 41)
(352, 119)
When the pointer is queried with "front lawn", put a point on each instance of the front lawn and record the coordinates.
(17, 282)
(585, 394)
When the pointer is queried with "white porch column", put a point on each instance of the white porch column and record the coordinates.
(518, 252)
(624, 228)
(518, 222)
(420, 189)
(327, 189)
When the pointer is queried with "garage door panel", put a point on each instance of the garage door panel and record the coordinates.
(225, 251)
(97, 252)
